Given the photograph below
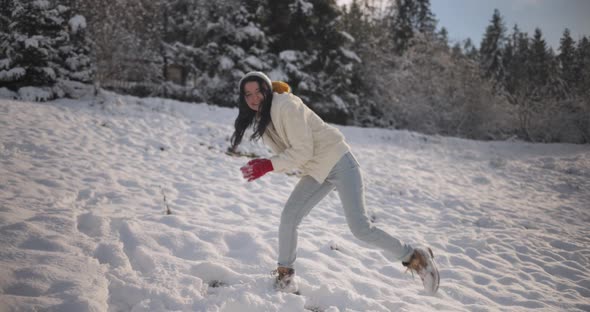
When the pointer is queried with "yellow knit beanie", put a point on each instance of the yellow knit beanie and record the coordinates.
(280, 87)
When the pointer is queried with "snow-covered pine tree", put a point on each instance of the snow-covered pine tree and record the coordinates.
(567, 60)
(277, 24)
(443, 36)
(75, 62)
(515, 61)
(402, 25)
(355, 22)
(358, 22)
(183, 31)
(43, 44)
(470, 50)
(6, 8)
(545, 113)
(539, 60)
(507, 62)
(425, 20)
(293, 40)
(519, 86)
(228, 42)
(568, 117)
(547, 65)
(491, 49)
(314, 55)
(456, 50)
(334, 66)
(583, 66)
(583, 86)
(29, 49)
(408, 18)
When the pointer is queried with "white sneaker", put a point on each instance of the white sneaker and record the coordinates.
(422, 262)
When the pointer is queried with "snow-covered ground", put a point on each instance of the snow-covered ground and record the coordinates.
(84, 187)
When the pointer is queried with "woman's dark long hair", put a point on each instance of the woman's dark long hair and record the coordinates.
(247, 116)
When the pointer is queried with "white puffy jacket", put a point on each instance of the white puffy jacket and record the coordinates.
(301, 140)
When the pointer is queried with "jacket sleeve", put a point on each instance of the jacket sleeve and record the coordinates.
(295, 121)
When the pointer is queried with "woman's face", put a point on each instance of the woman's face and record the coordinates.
(253, 95)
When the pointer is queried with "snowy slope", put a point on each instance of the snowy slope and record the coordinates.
(83, 224)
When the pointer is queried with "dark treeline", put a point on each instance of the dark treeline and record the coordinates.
(372, 63)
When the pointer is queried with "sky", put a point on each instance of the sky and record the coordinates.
(469, 18)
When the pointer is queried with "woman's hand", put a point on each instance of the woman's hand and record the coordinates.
(256, 168)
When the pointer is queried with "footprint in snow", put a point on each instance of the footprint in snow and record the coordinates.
(91, 225)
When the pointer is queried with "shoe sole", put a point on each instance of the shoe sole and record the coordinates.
(435, 275)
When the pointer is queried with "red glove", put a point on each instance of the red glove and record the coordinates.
(256, 168)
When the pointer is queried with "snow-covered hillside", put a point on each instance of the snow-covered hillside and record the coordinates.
(84, 187)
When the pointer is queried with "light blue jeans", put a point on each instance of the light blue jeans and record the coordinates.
(346, 178)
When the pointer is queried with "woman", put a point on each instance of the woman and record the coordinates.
(301, 140)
